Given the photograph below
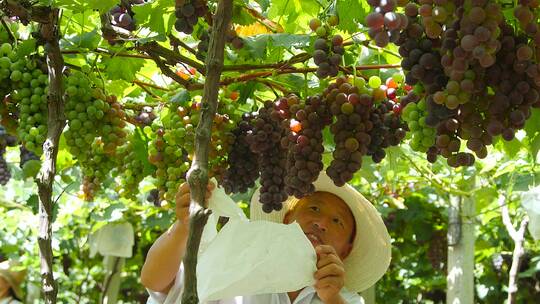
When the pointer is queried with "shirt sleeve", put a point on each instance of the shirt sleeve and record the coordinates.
(174, 294)
(352, 298)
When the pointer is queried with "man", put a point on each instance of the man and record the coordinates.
(351, 241)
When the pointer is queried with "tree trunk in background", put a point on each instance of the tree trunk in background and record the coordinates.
(518, 236)
(369, 295)
(461, 237)
(111, 285)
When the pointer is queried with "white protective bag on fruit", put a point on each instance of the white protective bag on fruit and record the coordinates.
(113, 239)
(530, 201)
(249, 258)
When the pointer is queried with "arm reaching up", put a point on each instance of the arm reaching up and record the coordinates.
(166, 254)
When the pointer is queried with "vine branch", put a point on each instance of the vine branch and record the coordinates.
(153, 49)
(198, 173)
(26, 12)
(175, 42)
(435, 180)
(8, 30)
(251, 76)
(518, 236)
(49, 31)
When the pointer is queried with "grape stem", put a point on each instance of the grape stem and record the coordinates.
(197, 175)
(25, 12)
(107, 52)
(144, 88)
(274, 85)
(168, 72)
(279, 65)
(269, 24)
(248, 77)
(153, 49)
(175, 42)
(428, 175)
(8, 30)
(150, 85)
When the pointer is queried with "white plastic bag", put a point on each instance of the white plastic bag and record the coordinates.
(249, 258)
(530, 201)
(114, 239)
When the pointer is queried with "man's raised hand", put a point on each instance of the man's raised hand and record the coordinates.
(183, 198)
(330, 274)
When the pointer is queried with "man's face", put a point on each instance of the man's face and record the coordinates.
(326, 220)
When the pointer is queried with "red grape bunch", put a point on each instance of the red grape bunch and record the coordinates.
(235, 41)
(328, 51)
(350, 129)
(188, 13)
(6, 140)
(265, 140)
(122, 17)
(422, 64)
(515, 79)
(242, 164)
(304, 143)
(436, 15)
(388, 130)
(526, 14)
(145, 116)
(384, 22)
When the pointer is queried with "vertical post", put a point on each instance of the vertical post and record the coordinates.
(198, 173)
(461, 238)
(369, 295)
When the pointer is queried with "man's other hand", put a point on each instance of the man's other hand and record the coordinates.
(330, 274)
(183, 198)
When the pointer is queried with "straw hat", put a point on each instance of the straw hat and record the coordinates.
(371, 253)
(13, 278)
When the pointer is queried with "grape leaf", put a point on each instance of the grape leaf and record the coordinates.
(33, 203)
(485, 196)
(533, 132)
(255, 46)
(122, 67)
(290, 40)
(265, 4)
(154, 16)
(82, 5)
(88, 40)
(140, 146)
(246, 91)
(241, 17)
(295, 13)
(351, 13)
(181, 97)
(26, 47)
(511, 147)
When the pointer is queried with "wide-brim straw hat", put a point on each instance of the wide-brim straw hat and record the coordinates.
(12, 277)
(371, 253)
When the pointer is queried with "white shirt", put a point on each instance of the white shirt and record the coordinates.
(308, 295)
(9, 300)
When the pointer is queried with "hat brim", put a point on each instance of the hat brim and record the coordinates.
(11, 282)
(371, 253)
